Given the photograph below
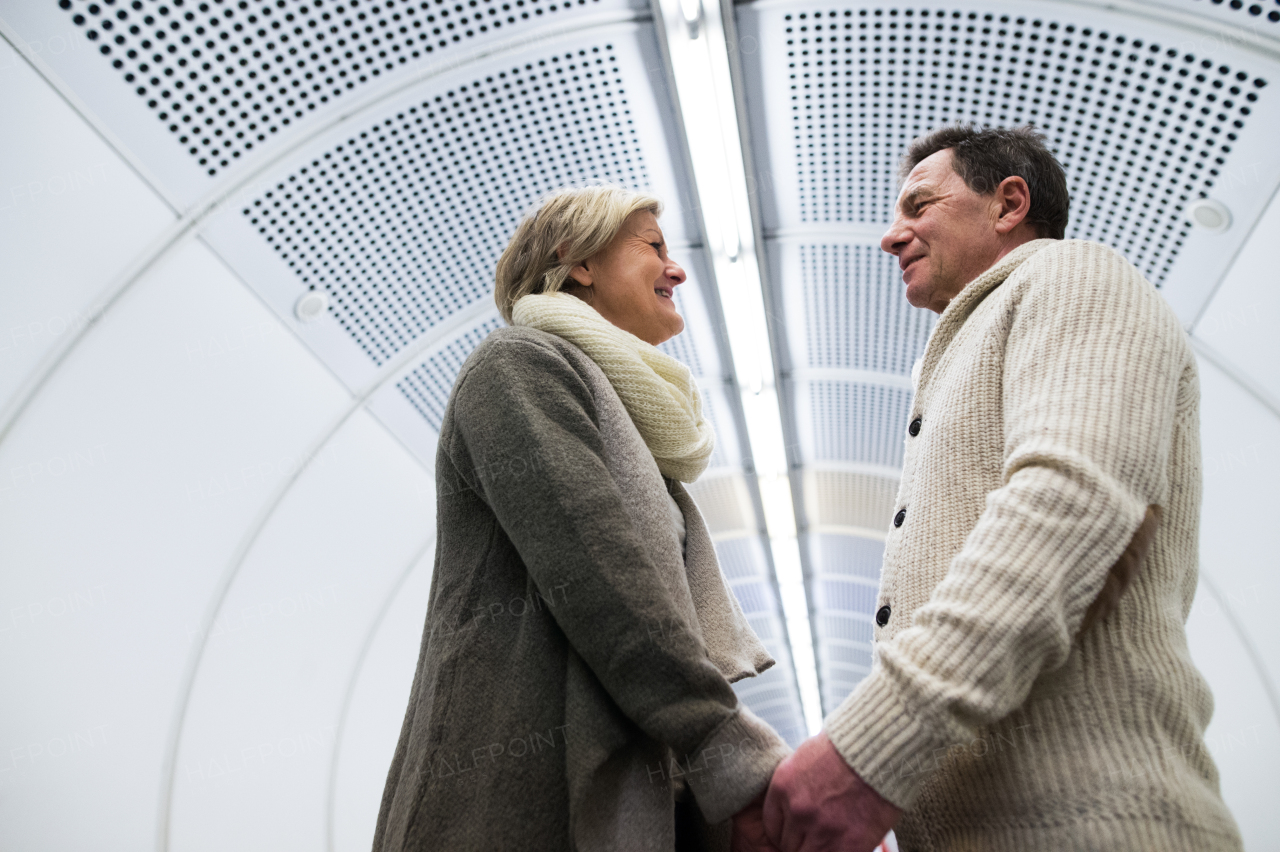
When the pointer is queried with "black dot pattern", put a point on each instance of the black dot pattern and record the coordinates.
(859, 422)
(402, 224)
(1240, 12)
(428, 386)
(1140, 128)
(867, 327)
(224, 75)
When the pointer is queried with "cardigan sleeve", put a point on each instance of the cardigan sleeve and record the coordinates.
(1092, 362)
(526, 438)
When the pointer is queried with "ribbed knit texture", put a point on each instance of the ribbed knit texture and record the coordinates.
(1058, 398)
(658, 391)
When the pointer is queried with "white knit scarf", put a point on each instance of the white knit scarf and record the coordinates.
(657, 390)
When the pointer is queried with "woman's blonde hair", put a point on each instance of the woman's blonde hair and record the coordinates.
(569, 226)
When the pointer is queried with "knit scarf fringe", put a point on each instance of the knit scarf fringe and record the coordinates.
(657, 390)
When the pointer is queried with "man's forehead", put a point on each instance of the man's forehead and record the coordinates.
(929, 174)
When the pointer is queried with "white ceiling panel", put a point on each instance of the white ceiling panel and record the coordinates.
(1240, 321)
(1244, 735)
(126, 487)
(1239, 538)
(72, 216)
(376, 708)
(260, 731)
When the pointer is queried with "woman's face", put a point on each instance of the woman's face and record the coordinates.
(630, 283)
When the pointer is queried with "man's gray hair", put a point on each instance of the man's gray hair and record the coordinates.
(984, 158)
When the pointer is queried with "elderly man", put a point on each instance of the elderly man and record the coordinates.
(1018, 702)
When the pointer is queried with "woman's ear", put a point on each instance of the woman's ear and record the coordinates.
(582, 275)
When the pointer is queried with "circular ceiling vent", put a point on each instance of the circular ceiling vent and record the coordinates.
(311, 305)
(1209, 214)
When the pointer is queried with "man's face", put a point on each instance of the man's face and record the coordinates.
(943, 233)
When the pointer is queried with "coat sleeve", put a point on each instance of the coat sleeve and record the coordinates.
(1092, 363)
(526, 437)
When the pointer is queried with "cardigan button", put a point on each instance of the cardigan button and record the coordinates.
(882, 615)
(900, 517)
(914, 428)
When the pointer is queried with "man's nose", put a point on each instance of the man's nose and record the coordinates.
(896, 238)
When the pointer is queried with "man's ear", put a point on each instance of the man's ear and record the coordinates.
(1014, 197)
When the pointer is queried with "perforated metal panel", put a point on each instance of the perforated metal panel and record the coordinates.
(1141, 127)
(858, 422)
(403, 223)
(842, 554)
(224, 76)
(428, 386)
(725, 503)
(845, 499)
(865, 327)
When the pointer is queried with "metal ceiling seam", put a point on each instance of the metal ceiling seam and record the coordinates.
(356, 670)
(852, 233)
(1226, 270)
(1255, 659)
(404, 362)
(1264, 45)
(82, 109)
(244, 182)
(1248, 385)
(852, 375)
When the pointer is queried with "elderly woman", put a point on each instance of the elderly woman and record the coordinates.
(572, 690)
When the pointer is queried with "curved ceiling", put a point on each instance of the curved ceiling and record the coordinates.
(218, 507)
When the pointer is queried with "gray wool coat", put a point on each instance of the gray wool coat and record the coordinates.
(574, 674)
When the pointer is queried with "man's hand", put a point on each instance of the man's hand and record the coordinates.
(1124, 572)
(748, 829)
(816, 802)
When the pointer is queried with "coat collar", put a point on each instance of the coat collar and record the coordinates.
(967, 301)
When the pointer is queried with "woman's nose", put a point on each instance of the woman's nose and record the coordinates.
(675, 272)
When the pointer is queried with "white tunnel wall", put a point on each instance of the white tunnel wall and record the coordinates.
(203, 461)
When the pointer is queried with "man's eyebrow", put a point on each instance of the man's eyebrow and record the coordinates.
(918, 193)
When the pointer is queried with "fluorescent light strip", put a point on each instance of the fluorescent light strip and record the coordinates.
(703, 86)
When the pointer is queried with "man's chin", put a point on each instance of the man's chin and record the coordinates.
(917, 296)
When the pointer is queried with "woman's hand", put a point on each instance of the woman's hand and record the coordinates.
(748, 829)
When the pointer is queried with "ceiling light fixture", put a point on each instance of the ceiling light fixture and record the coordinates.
(700, 75)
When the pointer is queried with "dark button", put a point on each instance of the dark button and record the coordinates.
(914, 428)
(882, 615)
(900, 517)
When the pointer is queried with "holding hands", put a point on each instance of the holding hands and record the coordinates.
(815, 803)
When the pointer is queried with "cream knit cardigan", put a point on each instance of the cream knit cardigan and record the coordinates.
(1057, 398)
